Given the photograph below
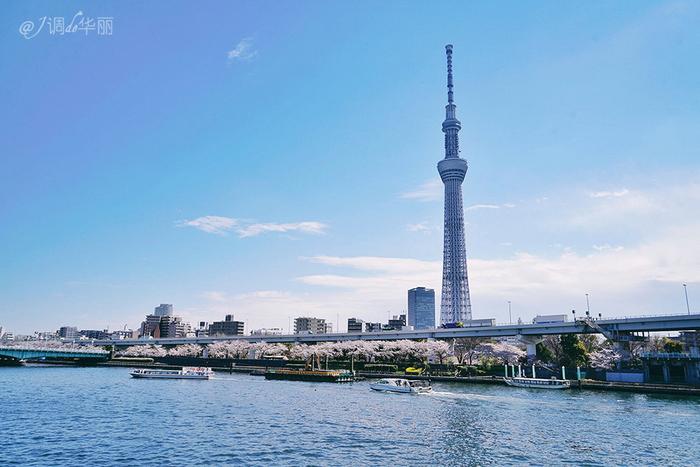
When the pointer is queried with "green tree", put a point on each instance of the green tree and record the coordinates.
(543, 353)
(672, 346)
(573, 351)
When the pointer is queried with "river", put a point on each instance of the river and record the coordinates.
(102, 417)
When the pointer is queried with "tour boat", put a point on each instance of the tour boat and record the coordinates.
(538, 383)
(401, 385)
(187, 372)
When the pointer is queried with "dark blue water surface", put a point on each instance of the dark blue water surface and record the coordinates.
(101, 416)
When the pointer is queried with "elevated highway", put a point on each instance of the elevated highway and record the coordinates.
(26, 353)
(619, 327)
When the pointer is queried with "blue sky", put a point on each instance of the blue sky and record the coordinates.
(275, 159)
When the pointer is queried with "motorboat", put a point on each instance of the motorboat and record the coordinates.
(538, 383)
(187, 372)
(401, 386)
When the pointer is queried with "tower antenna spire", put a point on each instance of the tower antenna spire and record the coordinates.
(450, 96)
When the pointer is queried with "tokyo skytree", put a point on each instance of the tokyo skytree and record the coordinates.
(455, 306)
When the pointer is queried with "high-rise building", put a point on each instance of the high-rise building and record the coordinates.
(355, 325)
(455, 305)
(421, 308)
(164, 309)
(227, 327)
(304, 325)
(373, 327)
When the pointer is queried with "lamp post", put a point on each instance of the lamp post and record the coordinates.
(588, 306)
(687, 303)
(510, 317)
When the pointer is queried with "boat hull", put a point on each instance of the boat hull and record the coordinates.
(537, 383)
(318, 376)
(142, 376)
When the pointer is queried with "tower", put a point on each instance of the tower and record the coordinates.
(455, 305)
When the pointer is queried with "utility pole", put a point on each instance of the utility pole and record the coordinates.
(510, 317)
(687, 303)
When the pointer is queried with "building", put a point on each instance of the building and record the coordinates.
(94, 334)
(396, 323)
(68, 332)
(267, 332)
(227, 327)
(373, 327)
(162, 323)
(455, 305)
(202, 330)
(355, 325)
(304, 325)
(164, 309)
(151, 326)
(173, 326)
(421, 308)
(122, 334)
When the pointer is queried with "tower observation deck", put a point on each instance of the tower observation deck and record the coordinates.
(455, 304)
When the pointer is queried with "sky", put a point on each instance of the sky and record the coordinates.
(278, 159)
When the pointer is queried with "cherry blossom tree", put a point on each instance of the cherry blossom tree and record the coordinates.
(143, 351)
(232, 349)
(504, 353)
(186, 350)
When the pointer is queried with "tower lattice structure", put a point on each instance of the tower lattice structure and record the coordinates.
(455, 304)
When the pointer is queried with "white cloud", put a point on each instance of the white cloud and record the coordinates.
(428, 191)
(609, 194)
(242, 51)
(311, 227)
(607, 247)
(474, 207)
(419, 227)
(215, 296)
(211, 224)
(222, 225)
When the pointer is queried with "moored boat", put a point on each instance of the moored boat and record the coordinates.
(401, 386)
(187, 372)
(326, 376)
(538, 383)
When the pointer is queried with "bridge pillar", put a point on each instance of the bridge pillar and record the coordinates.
(531, 345)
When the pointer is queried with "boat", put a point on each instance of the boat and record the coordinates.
(325, 376)
(538, 383)
(401, 386)
(187, 372)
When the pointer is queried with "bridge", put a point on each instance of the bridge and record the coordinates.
(25, 353)
(620, 330)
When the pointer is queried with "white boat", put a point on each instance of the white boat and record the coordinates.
(538, 383)
(401, 385)
(187, 372)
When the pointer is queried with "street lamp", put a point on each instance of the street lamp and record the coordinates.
(510, 317)
(687, 303)
(573, 312)
(588, 306)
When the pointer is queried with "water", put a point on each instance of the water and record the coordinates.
(101, 416)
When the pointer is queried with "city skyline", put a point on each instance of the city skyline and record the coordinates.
(152, 181)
